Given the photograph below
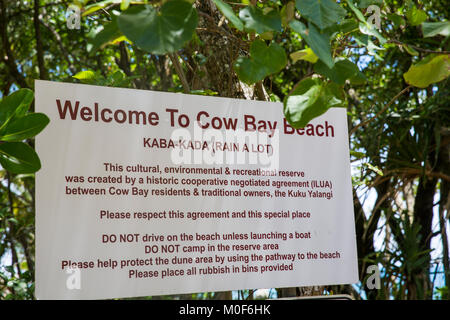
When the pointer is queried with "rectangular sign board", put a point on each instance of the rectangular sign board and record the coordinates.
(149, 193)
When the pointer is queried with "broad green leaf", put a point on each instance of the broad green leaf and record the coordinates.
(85, 75)
(323, 13)
(357, 12)
(287, 13)
(255, 19)
(310, 99)
(124, 5)
(319, 42)
(415, 16)
(431, 29)
(17, 103)
(348, 25)
(98, 6)
(24, 127)
(18, 157)
(342, 70)
(159, 32)
(432, 69)
(229, 14)
(268, 35)
(264, 60)
(305, 54)
(109, 33)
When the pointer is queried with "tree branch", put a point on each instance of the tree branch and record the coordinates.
(180, 72)
(60, 45)
(15, 260)
(8, 57)
(40, 51)
(417, 48)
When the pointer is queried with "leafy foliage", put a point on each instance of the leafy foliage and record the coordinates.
(264, 60)
(15, 126)
(310, 99)
(160, 31)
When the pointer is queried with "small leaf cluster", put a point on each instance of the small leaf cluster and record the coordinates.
(16, 126)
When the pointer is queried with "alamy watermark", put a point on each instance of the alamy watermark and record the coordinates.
(374, 280)
(73, 281)
(73, 17)
(215, 147)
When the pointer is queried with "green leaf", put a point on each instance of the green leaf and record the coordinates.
(310, 99)
(287, 13)
(431, 29)
(319, 42)
(264, 60)
(432, 69)
(124, 5)
(16, 104)
(108, 34)
(24, 127)
(159, 32)
(364, 40)
(364, 26)
(367, 28)
(357, 12)
(410, 50)
(85, 76)
(255, 19)
(342, 70)
(18, 157)
(305, 54)
(415, 16)
(229, 14)
(374, 169)
(322, 13)
(348, 25)
(97, 6)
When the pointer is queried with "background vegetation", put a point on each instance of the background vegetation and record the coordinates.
(393, 80)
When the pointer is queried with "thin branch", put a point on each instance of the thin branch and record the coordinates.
(39, 48)
(417, 48)
(180, 72)
(15, 260)
(60, 45)
(363, 124)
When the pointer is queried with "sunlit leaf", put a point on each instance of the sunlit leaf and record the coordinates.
(16, 103)
(255, 19)
(310, 99)
(432, 69)
(229, 14)
(319, 42)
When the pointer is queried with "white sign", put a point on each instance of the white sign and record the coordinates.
(150, 193)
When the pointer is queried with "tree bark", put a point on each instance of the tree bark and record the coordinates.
(40, 51)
